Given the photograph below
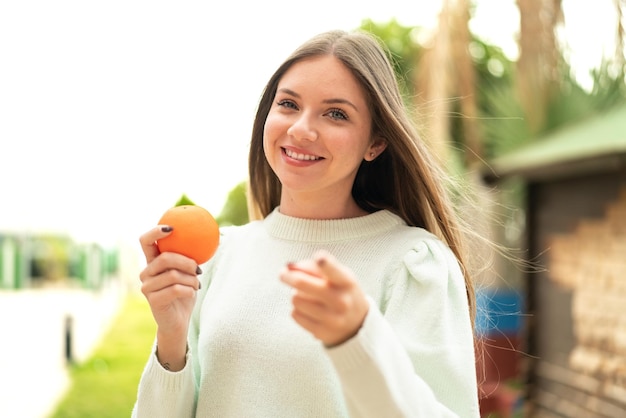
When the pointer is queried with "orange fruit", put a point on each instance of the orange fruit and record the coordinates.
(195, 232)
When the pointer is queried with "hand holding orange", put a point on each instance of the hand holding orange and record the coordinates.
(195, 233)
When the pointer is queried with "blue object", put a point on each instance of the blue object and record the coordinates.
(498, 311)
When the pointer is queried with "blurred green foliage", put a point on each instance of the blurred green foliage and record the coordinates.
(502, 121)
(403, 47)
(235, 210)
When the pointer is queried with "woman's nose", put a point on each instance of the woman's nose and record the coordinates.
(303, 128)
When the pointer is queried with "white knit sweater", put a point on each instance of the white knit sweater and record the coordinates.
(413, 357)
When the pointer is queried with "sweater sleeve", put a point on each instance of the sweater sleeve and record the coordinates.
(167, 394)
(414, 355)
(163, 393)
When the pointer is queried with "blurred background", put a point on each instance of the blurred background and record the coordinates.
(110, 111)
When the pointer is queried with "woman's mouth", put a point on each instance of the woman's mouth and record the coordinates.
(300, 156)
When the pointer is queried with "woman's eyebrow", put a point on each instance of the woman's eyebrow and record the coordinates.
(288, 91)
(341, 101)
(327, 101)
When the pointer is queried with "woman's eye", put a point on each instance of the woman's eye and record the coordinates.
(287, 104)
(338, 114)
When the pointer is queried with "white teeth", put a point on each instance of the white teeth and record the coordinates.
(301, 157)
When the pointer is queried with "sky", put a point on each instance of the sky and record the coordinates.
(111, 110)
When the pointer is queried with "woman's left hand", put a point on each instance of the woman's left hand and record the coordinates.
(327, 300)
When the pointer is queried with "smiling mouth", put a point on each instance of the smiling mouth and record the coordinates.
(301, 157)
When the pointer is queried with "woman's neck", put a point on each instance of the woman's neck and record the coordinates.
(319, 208)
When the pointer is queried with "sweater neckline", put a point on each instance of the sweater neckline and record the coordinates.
(291, 228)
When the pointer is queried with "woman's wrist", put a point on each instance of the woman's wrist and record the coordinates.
(171, 353)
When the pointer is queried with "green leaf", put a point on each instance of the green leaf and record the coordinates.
(184, 200)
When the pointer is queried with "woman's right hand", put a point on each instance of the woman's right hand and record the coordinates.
(169, 283)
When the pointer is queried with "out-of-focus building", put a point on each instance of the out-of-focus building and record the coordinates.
(574, 338)
(37, 261)
(57, 299)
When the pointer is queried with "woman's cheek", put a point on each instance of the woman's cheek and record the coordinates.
(270, 136)
(272, 126)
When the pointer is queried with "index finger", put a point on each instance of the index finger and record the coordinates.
(149, 239)
(335, 272)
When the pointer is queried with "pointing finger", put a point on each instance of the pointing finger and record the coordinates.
(305, 282)
(336, 273)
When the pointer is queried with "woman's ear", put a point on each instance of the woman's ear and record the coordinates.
(377, 146)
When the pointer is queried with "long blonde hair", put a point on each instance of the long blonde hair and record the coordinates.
(404, 179)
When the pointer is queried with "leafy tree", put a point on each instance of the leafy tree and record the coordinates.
(505, 117)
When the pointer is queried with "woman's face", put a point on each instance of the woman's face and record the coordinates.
(318, 130)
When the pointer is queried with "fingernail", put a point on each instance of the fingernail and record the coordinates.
(167, 229)
(198, 270)
(321, 261)
(199, 285)
(290, 265)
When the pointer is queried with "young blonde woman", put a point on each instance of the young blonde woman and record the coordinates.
(349, 296)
